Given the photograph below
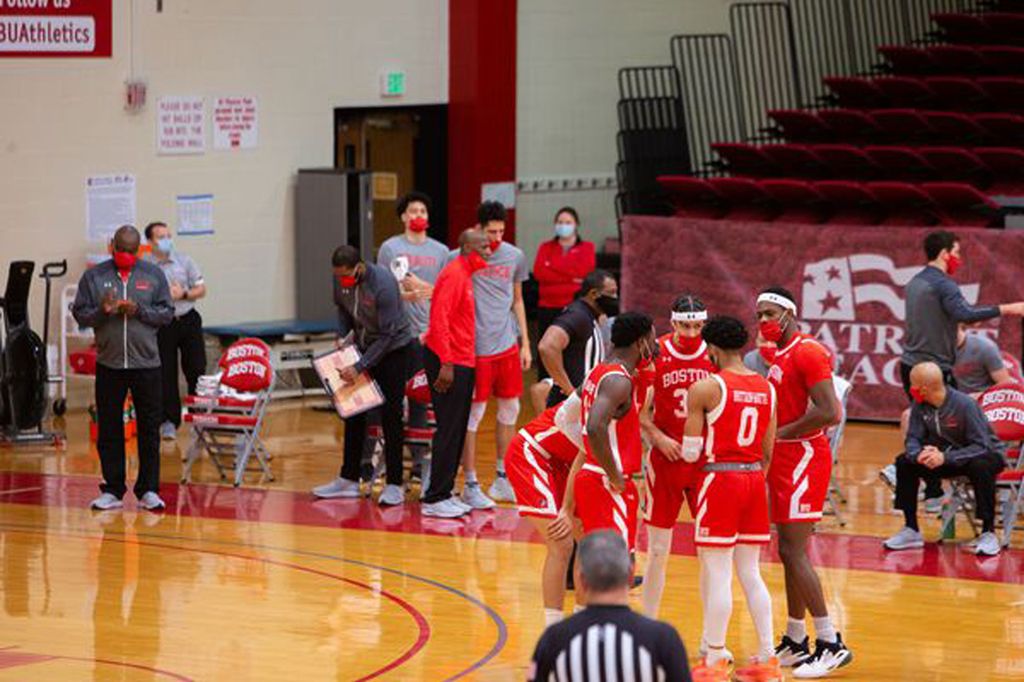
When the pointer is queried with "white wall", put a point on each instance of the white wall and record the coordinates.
(63, 120)
(569, 54)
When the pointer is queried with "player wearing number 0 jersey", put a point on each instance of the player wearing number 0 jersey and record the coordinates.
(736, 410)
(798, 479)
(606, 498)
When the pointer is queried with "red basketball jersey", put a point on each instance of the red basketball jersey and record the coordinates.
(737, 426)
(803, 363)
(623, 433)
(548, 439)
(671, 376)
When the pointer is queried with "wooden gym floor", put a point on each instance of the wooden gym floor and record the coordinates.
(265, 583)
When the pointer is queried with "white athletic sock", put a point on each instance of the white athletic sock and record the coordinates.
(796, 629)
(658, 542)
(471, 478)
(824, 630)
(552, 616)
(759, 600)
(717, 563)
(715, 655)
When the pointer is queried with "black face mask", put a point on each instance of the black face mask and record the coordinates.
(608, 305)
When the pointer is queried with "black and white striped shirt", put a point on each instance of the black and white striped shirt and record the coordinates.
(609, 644)
(586, 348)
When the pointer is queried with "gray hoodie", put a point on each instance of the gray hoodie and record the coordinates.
(123, 342)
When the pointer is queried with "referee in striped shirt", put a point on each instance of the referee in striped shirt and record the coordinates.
(607, 640)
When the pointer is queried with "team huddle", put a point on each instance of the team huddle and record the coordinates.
(741, 450)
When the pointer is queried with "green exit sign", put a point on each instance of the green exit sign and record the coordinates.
(392, 83)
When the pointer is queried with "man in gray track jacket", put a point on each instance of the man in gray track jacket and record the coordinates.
(125, 301)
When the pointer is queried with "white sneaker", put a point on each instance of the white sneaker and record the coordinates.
(501, 490)
(106, 501)
(152, 502)
(475, 498)
(391, 496)
(907, 538)
(168, 431)
(454, 499)
(988, 545)
(827, 657)
(339, 487)
(445, 509)
(888, 475)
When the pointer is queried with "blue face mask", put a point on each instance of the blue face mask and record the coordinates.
(164, 245)
(565, 230)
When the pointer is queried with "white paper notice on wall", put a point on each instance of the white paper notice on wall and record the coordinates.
(180, 125)
(502, 192)
(235, 123)
(109, 204)
(195, 214)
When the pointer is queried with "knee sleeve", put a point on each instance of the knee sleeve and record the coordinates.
(476, 415)
(659, 540)
(508, 411)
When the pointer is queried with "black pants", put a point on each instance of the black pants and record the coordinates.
(452, 412)
(112, 386)
(545, 316)
(390, 374)
(185, 335)
(932, 482)
(982, 472)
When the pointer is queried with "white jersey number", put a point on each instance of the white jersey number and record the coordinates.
(683, 395)
(748, 426)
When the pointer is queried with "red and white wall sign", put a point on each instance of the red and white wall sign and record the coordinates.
(55, 28)
(235, 123)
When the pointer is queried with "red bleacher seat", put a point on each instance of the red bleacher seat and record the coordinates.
(956, 164)
(961, 204)
(798, 200)
(902, 163)
(1005, 60)
(1003, 129)
(962, 28)
(902, 125)
(905, 59)
(744, 159)
(958, 93)
(693, 197)
(747, 201)
(956, 59)
(954, 126)
(794, 160)
(857, 93)
(904, 204)
(848, 162)
(800, 126)
(851, 125)
(1006, 94)
(906, 91)
(1007, 166)
(852, 203)
(1004, 27)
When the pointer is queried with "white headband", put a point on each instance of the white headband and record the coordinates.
(695, 316)
(780, 301)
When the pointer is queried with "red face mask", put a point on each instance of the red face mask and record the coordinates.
(495, 244)
(418, 224)
(124, 260)
(771, 330)
(689, 344)
(768, 353)
(916, 394)
(347, 281)
(953, 264)
(476, 261)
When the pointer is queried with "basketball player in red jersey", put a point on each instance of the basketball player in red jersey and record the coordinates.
(539, 462)
(798, 479)
(735, 408)
(682, 361)
(606, 497)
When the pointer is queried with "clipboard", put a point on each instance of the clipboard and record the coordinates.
(348, 399)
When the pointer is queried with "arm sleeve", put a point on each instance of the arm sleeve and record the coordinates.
(571, 324)
(980, 439)
(957, 307)
(389, 318)
(916, 434)
(86, 309)
(161, 311)
(441, 306)
(672, 656)
(584, 260)
(522, 272)
(384, 256)
(991, 358)
(542, 270)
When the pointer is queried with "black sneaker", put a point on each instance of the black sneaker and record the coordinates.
(828, 656)
(792, 653)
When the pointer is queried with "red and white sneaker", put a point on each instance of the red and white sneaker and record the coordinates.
(758, 671)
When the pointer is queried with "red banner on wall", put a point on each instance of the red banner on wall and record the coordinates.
(848, 282)
(55, 28)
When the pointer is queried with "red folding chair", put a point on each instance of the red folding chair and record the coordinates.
(1003, 129)
(856, 93)
(851, 202)
(958, 93)
(1003, 406)
(797, 125)
(847, 162)
(957, 164)
(794, 160)
(1005, 27)
(905, 204)
(961, 204)
(693, 197)
(851, 125)
(1006, 94)
(1006, 60)
(903, 125)
(957, 59)
(417, 390)
(906, 91)
(901, 163)
(744, 160)
(798, 200)
(907, 60)
(962, 28)
(954, 126)
(747, 201)
(1007, 166)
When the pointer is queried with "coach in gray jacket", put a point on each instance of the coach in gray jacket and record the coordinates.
(126, 301)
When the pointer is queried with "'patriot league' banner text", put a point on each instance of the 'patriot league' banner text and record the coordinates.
(848, 282)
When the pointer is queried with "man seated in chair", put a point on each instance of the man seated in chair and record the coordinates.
(948, 436)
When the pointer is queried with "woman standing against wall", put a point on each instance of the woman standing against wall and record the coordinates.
(562, 263)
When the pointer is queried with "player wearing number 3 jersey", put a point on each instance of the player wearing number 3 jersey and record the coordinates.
(682, 361)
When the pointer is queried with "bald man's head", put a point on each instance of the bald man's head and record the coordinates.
(127, 239)
(927, 381)
(474, 240)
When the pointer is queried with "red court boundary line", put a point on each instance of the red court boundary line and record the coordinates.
(830, 550)
(422, 623)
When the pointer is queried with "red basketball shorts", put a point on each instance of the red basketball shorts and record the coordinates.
(600, 508)
(499, 375)
(732, 507)
(798, 480)
(668, 482)
(538, 482)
